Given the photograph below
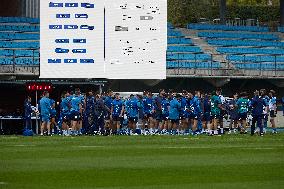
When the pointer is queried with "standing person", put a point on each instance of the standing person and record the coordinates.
(132, 106)
(158, 110)
(242, 105)
(206, 118)
(184, 113)
(144, 108)
(215, 111)
(89, 112)
(165, 114)
(45, 111)
(149, 110)
(108, 122)
(65, 112)
(117, 110)
(28, 113)
(282, 101)
(53, 124)
(223, 111)
(99, 111)
(174, 113)
(265, 109)
(272, 110)
(257, 104)
(196, 111)
(76, 112)
(233, 113)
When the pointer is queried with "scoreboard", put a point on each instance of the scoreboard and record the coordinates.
(113, 39)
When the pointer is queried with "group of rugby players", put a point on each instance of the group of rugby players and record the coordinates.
(166, 113)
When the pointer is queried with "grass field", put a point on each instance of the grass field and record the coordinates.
(142, 162)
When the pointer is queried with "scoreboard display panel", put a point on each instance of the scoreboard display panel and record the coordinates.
(113, 39)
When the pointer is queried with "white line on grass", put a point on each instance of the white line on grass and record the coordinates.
(3, 183)
(90, 146)
(22, 145)
(221, 147)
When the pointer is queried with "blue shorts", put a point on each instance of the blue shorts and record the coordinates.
(165, 117)
(45, 118)
(243, 116)
(75, 115)
(206, 117)
(133, 119)
(215, 116)
(65, 116)
(116, 118)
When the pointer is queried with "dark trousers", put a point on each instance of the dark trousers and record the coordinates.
(99, 123)
(28, 123)
(257, 119)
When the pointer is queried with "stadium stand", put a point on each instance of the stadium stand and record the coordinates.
(281, 29)
(248, 47)
(183, 53)
(19, 41)
(227, 28)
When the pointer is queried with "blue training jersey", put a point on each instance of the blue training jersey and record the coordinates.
(132, 106)
(195, 105)
(44, 104)
(175, 107)
(65, 105)
(165, 106)
(117, 107)
(148, 105)
(76, 101)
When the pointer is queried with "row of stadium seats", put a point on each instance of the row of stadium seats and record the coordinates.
(238, 35)
(20, 53)
(193, 49)
(24, 45)
(258, 66)
(281, 29)
(19, 20)
(245, 58)
(179, 40)
(19, 28)
(254, 43)
(231, 50)
(187, 56)
(19, 61)
(227, 28)
(192, 65)
(174, 33)
(19, 36)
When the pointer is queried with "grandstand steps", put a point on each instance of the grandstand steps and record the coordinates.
(208, 49)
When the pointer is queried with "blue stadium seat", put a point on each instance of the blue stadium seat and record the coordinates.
(19, 61)
(192, 65)
(281, 29)
(184, 49)
(258, 66)
(19, 36)
(227, 28)
(19, 20)
(250, 50)
(179, 40)
(20, 53)
(238, 35)
(255, 43)
(174, 33)
(245, 58)
(187, 56)
(33, 45)
(19, 28)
